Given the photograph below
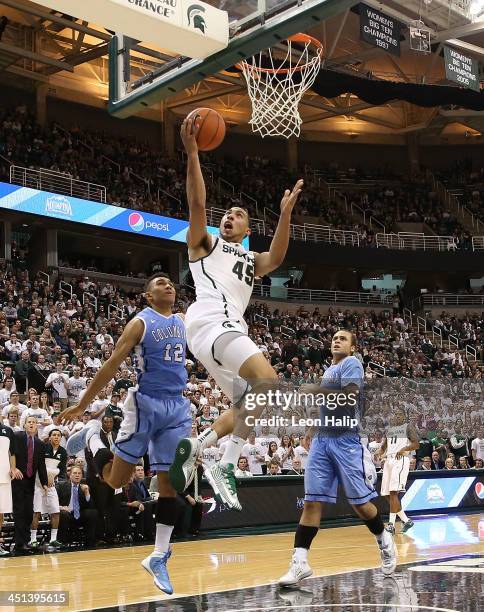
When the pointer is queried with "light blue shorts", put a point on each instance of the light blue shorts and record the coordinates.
(155, 426)
(340, 460)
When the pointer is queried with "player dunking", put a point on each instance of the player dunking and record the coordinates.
(337, 456)
(156, 414)
(224, 272)
(401, 438)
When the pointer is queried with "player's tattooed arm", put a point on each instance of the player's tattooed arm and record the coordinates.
(270, 260)
(198, 239)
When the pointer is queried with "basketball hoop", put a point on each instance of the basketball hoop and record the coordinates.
(276, 90)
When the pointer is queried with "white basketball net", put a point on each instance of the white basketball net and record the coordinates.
(276, 92)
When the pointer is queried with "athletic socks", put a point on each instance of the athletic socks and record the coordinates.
(33, 535)
(303, 539)
(162, 539)
(377, 528)
(207, 438)
(402, 516)
(167, 512)
(53, 535)
(232, 451)
(393, 518)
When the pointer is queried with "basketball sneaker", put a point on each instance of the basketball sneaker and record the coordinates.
(222, 480)
(156, 566)
(388, 553)
(184, 466)
(408, 525)
(78, 442)
(298, 570)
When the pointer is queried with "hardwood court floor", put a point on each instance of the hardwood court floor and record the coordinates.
(114, 577)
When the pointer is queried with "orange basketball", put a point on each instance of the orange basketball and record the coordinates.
(211, 128)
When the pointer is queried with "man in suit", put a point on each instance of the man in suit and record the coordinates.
(139, 500)
(111, 516)
(30, 461)
(437, 463)
(76, 509)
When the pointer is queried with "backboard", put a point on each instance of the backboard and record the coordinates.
(141, 75)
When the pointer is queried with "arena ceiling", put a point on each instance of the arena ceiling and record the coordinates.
(69, 58)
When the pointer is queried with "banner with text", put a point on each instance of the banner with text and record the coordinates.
(461, 69)
(379, 29)
(68, 208)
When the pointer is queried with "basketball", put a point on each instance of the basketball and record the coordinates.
(211, 128)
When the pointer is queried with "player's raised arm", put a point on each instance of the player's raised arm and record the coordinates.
(273, 258)
(197, 236)
(129, 339)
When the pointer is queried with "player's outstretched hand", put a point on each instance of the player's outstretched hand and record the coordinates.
(69, 414)
(289, 198)
(188, 133)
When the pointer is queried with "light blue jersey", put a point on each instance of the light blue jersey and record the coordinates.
(156, 414)
(336, 419)
(160, 355)
(337, 456)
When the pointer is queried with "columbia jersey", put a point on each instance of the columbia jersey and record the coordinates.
(348, 371)
(396, 439)
(160, 355)
(225, 275)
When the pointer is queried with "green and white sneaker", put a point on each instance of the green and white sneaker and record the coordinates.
(222, 480)
(408, 525)
(184, 466)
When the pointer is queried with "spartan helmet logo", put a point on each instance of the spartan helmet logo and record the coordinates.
(195, 17)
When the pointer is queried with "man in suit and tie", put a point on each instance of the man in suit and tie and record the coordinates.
(76, 509)
(30, 461)
(106, 500)
(141, 504)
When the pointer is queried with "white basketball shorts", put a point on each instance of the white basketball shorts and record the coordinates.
(221, 343)
(46, 502)
(5, 498)
(395, 474)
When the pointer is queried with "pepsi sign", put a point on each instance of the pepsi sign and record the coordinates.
(55, 206)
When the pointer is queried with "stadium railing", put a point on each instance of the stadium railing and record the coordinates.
(57, 182)
(478, 243)
(452, 299)
(319, 295)
(416, 242)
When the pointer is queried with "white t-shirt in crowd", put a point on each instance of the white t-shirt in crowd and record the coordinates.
(301, 453)
(76, 385)
(210, 456)
(240, 474)
(5, 396)
(264, 442)
(287, 464)
(251, 451)
(41, 414)
(20, 408)
(98, 405)
(57, 384)
(478, 446)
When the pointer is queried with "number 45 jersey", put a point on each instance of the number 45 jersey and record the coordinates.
(160, 355)
(225, 277)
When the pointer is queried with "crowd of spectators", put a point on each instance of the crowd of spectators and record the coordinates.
(51, 345)
(138, 177)
(468, 183)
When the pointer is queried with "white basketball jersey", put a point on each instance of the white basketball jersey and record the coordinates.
(225, 275)
(397, 439)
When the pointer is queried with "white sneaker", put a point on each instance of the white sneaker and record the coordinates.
(222, 480)
(79, 441)
(388, 553)
(298, 570)
(184, 466)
